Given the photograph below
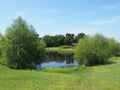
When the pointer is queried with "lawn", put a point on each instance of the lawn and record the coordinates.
(102, 77)
(61, 50)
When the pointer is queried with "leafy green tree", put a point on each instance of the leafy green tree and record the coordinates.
(93, 50)
(24, 48)
(48, 40)
(59, 40)
(53, 41)
(79, 36)
(69, 39)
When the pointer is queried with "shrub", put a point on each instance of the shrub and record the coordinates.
(92, 50)
(114, 48)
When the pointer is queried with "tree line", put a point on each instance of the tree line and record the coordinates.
(59, 40)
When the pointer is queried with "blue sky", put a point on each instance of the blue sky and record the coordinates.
(64, 16)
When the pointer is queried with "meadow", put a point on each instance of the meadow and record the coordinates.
(61, 49)
(101, 77)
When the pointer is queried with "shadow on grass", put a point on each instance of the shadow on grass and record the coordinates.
(112, 62)
(108, 63)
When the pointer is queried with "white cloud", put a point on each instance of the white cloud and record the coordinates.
(112, 20)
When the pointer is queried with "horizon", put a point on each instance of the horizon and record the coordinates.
(61, 17)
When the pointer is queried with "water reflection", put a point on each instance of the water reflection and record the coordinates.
(55, 60)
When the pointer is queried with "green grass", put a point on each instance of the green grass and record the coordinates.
(102, 77)
(61, 50)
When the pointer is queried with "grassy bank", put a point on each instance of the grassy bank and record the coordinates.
(103, 77)
(61, 50)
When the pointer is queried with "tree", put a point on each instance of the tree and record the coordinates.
(59, 40)
(69, 39)
(48, 40)
(24, 48)
(53, 41)
(93, 50)
(79, 36)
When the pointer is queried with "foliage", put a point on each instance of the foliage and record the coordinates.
(24, 48)
(114, 47)
(60, 40)
(53, 41)
(48, 40)
(79, 36)
(93, 50)
(69, 39)
(3, 59)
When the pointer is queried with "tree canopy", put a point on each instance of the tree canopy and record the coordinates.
(59, 40)
(24, 48)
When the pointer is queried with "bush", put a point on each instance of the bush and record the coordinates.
(114, 48)
(93, 50)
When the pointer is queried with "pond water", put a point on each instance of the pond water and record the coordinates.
(55, 60)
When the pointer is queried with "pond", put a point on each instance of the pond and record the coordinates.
(55, 60)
